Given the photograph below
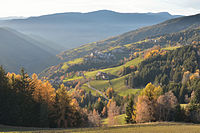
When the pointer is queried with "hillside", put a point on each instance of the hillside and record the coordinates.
(168, 66)
(115, 59)
(70, 30)
(111, 56)
(177, 70)
(167, 27)
(18, 50)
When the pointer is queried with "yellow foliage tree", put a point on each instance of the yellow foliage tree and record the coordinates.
(63, 106)
(151, 91)
(42, 90)
(146, 103)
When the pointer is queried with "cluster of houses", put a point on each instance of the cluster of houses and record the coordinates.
(100, 55)
(102, 76)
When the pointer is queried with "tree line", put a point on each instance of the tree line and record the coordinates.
(153, 104)
(28, 101)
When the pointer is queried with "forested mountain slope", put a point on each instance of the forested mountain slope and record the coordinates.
(167, 27)
(177, 70)
(104, 55)
(18, 50)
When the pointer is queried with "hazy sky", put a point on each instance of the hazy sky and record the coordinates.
(41, 7)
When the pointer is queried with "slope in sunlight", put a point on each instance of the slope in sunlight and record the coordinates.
(169, 26)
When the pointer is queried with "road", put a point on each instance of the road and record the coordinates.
(97, 91)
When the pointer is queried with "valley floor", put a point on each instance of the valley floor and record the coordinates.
(158, 127)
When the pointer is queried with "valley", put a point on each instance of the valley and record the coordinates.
(100, 71)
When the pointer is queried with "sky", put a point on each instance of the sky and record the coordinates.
(28, 8)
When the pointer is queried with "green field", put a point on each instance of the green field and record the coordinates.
(163, 127)
(115, 70)
(75, 61)
(87, 89)
(171, 48)
(117, 84)
(120, 120)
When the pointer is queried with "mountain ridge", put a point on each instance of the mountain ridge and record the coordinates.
(167, 27)
(69, 30)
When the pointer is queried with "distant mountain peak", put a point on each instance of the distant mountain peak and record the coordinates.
(167, 13)
(103, 11)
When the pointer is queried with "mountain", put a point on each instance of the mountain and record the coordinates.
(116, 51)
(111, 59)
(139, 35)
(18, 50)
(70, 30)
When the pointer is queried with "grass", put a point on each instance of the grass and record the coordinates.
(75, 61)
(100, 84)
(115, 70)
(65, 66)
(171, 48)
(112, 48)
(128, 45)
(74, 77)
(117, 84)
(128, 91)
(157, 127)
(87, 89)
(120, 120)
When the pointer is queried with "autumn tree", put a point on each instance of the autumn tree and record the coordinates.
(43, 90)
(94, 118)
(145, 110)
(146, 104)
(31, 102)
(43, 93)
(62, 107)
(113, 112)
(21, 108)
(166, 106)
(104, 112)
(110, 92)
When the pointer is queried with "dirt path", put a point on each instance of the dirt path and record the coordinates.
(97, 91)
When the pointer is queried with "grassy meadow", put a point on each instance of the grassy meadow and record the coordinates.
(158, 127)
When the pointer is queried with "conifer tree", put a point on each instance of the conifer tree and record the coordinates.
(130, 111)
(63, 107)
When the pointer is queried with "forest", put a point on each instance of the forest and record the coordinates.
(170, 93)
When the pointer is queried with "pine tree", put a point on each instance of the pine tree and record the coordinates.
(130, 111)
(5, 94)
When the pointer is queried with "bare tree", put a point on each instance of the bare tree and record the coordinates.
(166, 105)
(113, 112)
(94, 118)
(145, 110)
